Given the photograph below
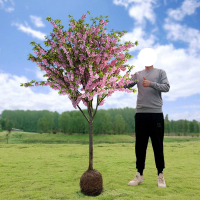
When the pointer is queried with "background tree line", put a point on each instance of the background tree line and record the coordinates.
(111, 121)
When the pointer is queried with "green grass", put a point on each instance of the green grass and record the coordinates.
(53, 171)
(45, 138)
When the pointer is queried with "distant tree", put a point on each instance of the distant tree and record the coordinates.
(126, 127)
(54, 131)
(9, 125)
(191, 125)
(185, 127)
(175, 127)
(77, 122)
(56, 119)
(80, 124)
(172, 126)
(64, 123)
(3, 124)
(195, 123)
(166, 124)
(105, 120)
(40, 126)
(120, 124)
(198, 128)
(168, 128)
(48, 118)
(114, 128)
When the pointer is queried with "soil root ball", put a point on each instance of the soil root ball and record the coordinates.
(91, 183)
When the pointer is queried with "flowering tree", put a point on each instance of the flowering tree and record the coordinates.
(82, 57)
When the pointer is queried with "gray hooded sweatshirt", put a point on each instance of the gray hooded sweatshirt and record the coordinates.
(149, 99)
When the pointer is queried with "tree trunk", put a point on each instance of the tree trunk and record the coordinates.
(90, 111)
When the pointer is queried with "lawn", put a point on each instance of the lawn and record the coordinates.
(32, 168)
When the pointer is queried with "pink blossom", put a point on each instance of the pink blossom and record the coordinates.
(83, 16)
(73, 25)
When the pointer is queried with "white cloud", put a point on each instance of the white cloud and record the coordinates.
(142, 11)
(7, 9)
(10, 9)
(191, 106)
(185, 115)
(124, 3)
(39, 75)
(1, 3)
(12, 2)
(178, 32)
(37, 21)
(25, 98)
(139, 10)
(144, 39)
(35, 34)
(187, 8)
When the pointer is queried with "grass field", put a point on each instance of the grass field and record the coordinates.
(43, 166)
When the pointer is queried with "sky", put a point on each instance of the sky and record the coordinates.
(170, 27)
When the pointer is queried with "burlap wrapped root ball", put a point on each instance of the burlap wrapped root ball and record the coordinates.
(91, 183)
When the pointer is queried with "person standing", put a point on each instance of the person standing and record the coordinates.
(149, 120)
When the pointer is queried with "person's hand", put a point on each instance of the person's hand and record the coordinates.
(146, 83)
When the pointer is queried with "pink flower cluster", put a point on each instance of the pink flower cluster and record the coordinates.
(83, 16)
(95, 74)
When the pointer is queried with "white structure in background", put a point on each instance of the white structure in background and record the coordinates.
(14, 129)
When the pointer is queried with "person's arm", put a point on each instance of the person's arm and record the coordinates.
(130, 84)
(164, 85)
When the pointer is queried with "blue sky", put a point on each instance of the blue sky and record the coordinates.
(170, 27)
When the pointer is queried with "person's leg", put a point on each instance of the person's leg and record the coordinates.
(157, 137)
(141, 139)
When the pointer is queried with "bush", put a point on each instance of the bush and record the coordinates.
(192, 134)
(54, 131)
(110, 132)
(178, 134)
(1, 130)
(41, 132)
(197, 134)
(114, 133)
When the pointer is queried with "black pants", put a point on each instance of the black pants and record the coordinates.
(149, 124)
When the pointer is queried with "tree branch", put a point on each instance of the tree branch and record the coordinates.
(83, 114)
